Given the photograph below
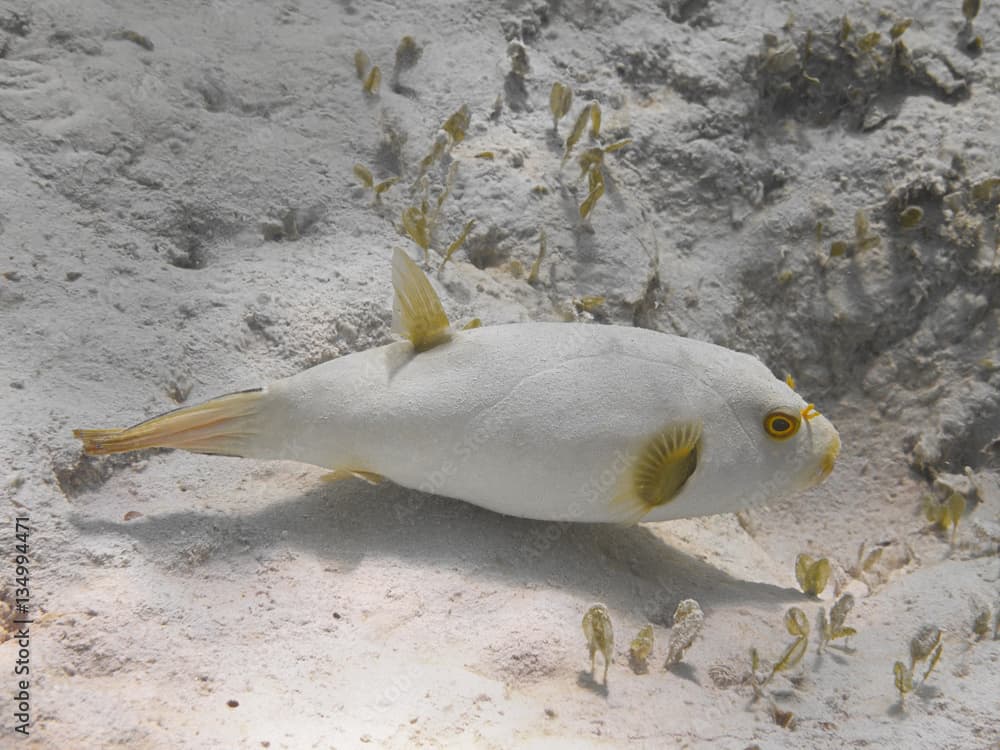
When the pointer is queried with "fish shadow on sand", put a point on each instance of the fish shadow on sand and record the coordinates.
(625, 567)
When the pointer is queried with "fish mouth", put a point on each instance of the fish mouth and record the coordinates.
(825, 465)
(829, 459)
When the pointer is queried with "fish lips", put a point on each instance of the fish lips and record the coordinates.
(824, 466)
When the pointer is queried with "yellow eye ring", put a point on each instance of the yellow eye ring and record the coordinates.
(781, 425)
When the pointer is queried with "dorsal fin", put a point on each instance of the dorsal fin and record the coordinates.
(417, 313)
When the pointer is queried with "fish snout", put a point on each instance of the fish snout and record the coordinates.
(826, 448)
(829, 457)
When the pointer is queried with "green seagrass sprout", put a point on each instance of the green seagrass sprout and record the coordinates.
(536, 266)
(910, 217)
(945, 515)
(560, 101)
(797, 625)
(688, 621)
(600, 636)
(864, 238)
(459, 241)
(370, 75)
(831, 628)
(364, 175)
(592, 165)
(812, 575)
(899, 28)
(925, 646)
(408, 54)
(641, 648)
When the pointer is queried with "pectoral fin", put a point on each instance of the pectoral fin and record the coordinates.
(662, 466)
(417, 312)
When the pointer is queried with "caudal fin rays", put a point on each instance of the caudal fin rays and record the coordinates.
(223, 426)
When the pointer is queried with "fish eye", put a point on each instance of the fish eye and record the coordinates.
(781, 425)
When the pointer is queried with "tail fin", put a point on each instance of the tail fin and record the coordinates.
(223, 426)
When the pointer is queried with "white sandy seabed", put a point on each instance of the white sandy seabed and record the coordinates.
(179, 218)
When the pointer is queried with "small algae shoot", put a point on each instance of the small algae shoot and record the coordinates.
(592, 160)
(830, 628)
(408, 54)
(367, 181)
(600, 637)
(811, 574)
(945, 515)
(536, 265)
(797, 625)
(640, 649)
(688, 622)
(560, 101)
(925, 646)
(370, 75)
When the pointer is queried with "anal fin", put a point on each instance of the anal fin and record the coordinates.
(339, 474)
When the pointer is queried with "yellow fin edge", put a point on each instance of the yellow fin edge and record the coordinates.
(659, 471)
(366, 476)
(417, 311)
(224, 426)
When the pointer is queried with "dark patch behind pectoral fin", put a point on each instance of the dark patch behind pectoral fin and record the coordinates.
(660, 470)
(417, 312)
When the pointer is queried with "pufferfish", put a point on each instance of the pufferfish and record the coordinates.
(550, 421)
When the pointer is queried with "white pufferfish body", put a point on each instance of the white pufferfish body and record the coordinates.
(551, 421)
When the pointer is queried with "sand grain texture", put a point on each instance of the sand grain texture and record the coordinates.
(146, 151)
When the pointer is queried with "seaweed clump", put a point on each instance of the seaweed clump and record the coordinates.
(844, 69)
